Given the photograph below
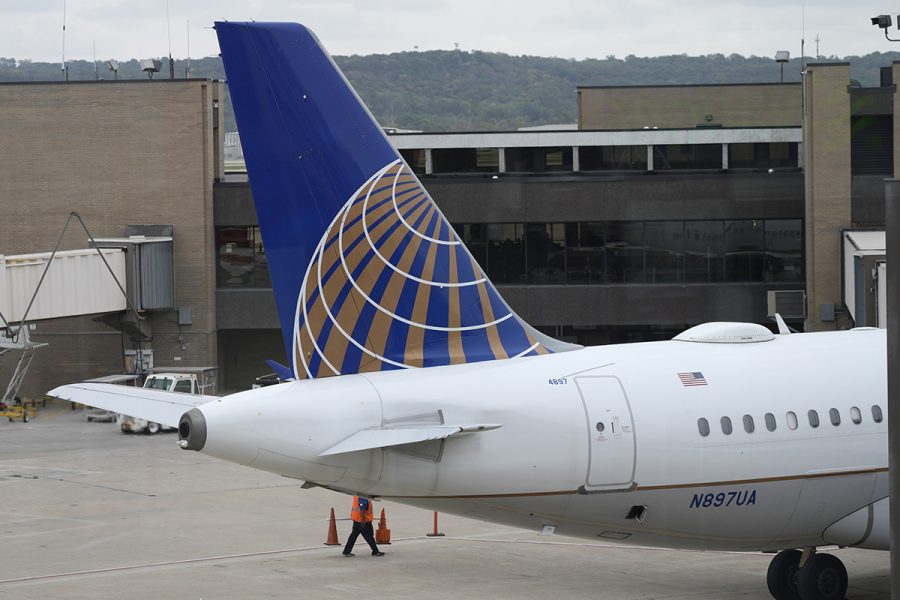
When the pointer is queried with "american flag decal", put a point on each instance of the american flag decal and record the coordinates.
(692, 379)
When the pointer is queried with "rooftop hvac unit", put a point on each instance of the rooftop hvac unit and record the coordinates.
(790, 304)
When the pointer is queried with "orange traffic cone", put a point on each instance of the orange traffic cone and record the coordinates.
(332, 531)
(382, 534)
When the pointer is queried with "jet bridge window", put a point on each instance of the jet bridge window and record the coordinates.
(703, 426)
(726, 425)
(749, 427)
(855, 415)
(876, 413)
(791, 417)
(835, 416)
(770, 421)
(813, 419)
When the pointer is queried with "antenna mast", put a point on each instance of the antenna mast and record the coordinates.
(169, 35)
(65, 72)
(187, 70)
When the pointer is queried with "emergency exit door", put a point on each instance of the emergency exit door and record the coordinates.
(612, 445)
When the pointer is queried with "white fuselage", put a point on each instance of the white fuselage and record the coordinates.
(780, 485)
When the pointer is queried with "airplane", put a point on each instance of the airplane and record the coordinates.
(415, 381)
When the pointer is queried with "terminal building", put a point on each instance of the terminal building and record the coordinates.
(664, 207)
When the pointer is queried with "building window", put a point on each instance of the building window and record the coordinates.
(664, 243)
(784, 250)
(625, 252)
(744, 245)
(652, 252)
(465, 160)
(505, 252)
(726, 425)
(612, 158)
(415, 158)
(749, 427)
(241, 258)
(472, 235)
(770, 421)
(703, 426)
(538, 160)
(584, 252)
(855, 415)
(762, 155)
(876, 413)
(545, 245)
(704, 257)
(687, 156)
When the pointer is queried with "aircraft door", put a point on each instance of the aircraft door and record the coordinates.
(611, 437)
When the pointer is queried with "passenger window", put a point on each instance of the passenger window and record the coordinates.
(835, 416)
(855, 415)
(770, 421)
(183, 386)
(813, 418)
(726, 425)
(703, 426)
(876, 413)
(791, 420)
(748, 424)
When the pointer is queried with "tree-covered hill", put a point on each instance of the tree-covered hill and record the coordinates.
(452, 90)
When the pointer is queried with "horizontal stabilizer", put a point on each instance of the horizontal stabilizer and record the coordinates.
(283, 373)
(370, 439)
(160, 407)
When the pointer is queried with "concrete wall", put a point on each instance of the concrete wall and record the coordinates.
(119, 153)
(828, 185)
(687, 106)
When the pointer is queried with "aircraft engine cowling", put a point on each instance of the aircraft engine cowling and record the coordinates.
(192, 430)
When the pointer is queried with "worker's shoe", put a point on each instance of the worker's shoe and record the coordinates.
(348, 554)
(379, 553)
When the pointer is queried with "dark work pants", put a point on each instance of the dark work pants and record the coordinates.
(367, 532)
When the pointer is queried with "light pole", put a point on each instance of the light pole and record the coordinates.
(781, 57)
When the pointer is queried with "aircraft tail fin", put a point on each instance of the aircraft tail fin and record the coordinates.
(368, 274)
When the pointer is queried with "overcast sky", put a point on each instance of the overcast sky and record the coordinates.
(566, 28)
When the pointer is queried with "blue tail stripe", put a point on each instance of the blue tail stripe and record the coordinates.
(372, 227)
(337, 264)
(476, 346)
(266, 81)
(380, 203)
(436, 342)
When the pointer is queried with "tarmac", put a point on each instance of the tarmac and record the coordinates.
(90, 512)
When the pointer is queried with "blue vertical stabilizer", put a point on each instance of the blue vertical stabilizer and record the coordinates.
(367, 273)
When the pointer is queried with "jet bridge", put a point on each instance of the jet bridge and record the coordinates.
(77, 282)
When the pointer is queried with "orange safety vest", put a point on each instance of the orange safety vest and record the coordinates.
(359, 516)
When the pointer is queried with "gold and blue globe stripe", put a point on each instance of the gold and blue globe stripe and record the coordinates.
(391, 286)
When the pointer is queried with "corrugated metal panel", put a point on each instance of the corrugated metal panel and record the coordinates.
(872, 145)
(156, 276)
(77, 283)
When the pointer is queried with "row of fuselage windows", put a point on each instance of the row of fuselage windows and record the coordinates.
(792, 421)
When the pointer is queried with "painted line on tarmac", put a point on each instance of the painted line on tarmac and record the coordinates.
(590, 545)
(170, 563)
(188, 561)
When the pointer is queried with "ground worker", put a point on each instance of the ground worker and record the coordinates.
(362, 515)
